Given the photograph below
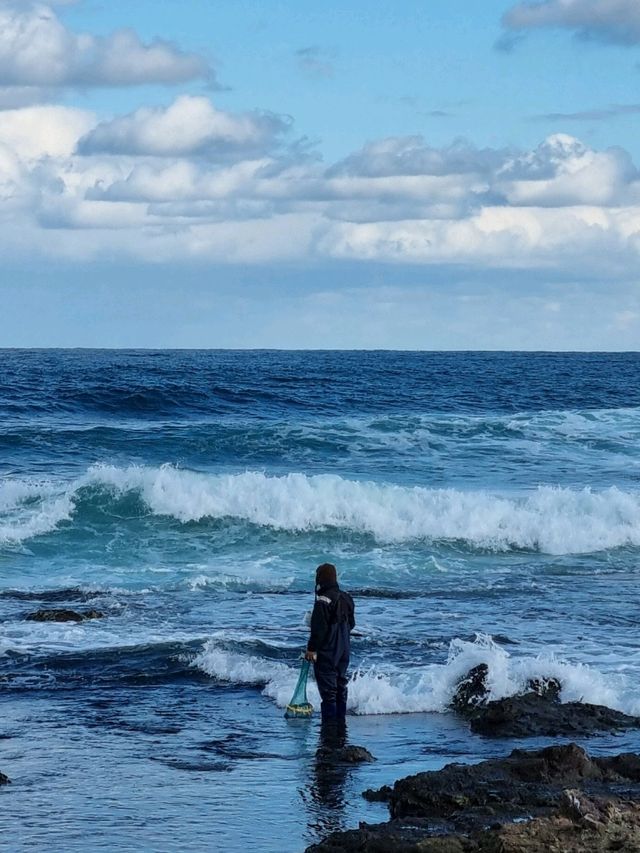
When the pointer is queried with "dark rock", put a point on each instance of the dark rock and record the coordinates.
(344, 755)
(63, 615)
(561, 799)
(617, 827)
(527, 782)
(537, 712)
(386, 837)
(542, 715)
(548, 687)
(472, 691)
(4, 780)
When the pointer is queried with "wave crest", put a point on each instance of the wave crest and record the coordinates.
(550, 519)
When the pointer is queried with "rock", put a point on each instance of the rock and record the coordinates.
(579, 808)
(386, 837)
(471, 691)
(526, 781)
(344, 755)
(4, 780)
(548, 687)
(619, 830)
(560, 799)
(63, 615)
(537, 712)
(542, 715)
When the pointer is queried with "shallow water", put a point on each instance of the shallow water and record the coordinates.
(481, 507)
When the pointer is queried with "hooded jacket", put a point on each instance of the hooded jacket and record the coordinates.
(332, 621)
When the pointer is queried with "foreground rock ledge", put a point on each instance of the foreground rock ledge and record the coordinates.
(562, 799)
(618, 829)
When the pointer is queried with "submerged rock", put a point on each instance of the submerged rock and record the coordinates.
(344, 755)
(63, 615)
(4, 780)
(560, 798)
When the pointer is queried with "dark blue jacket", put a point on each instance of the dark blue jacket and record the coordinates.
(332, 621)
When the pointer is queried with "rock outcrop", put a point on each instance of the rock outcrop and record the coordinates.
(537, 712)
(617, 827)
(553, 799)
(63, 615)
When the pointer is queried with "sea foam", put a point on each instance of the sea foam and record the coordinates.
(387, 690)
(547, 519)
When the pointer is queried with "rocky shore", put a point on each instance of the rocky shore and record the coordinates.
(552, 800)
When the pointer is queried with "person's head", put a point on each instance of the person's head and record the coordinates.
(326, 575)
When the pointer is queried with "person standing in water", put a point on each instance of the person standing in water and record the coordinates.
(329, 646)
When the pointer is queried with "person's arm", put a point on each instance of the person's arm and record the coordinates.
(320, 626)
(351, 613)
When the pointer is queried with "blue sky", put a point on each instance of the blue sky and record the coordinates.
(425, 175)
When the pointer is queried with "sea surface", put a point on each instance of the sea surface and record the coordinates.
(479, 506)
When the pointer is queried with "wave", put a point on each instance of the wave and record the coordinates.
(378, 690)
(359, 435)
(552, 520)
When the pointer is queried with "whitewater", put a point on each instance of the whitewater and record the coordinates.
(482, 508)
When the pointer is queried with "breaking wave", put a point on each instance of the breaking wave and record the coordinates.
(387, 690)
(549, 519)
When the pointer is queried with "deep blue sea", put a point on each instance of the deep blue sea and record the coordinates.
(479, 506)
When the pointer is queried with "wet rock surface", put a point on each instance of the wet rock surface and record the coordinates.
(347, 754)
(534, 713)
(472, 691)
(616, 827)
(4, 780)
(63, 615)
(553, 799)
(541, 715)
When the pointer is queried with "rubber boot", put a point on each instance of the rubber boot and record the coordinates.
(328, 711)
(341, 710)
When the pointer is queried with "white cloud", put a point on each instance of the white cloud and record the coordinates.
(190, 181)
(564, 172)
(615, 21)
(189, 126)
(37, 51)
(43, 131)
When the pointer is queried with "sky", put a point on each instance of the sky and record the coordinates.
(423, 174)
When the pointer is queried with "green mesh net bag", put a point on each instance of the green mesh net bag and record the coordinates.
(299, 706)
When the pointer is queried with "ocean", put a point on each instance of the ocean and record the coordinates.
(479, 507)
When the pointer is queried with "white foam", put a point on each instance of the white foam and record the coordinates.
(552, 520)
(249, 582)
(31, 508)
(377, 690)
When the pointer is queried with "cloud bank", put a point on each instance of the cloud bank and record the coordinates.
(193, 181)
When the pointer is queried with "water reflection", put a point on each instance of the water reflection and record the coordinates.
(325, 798)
